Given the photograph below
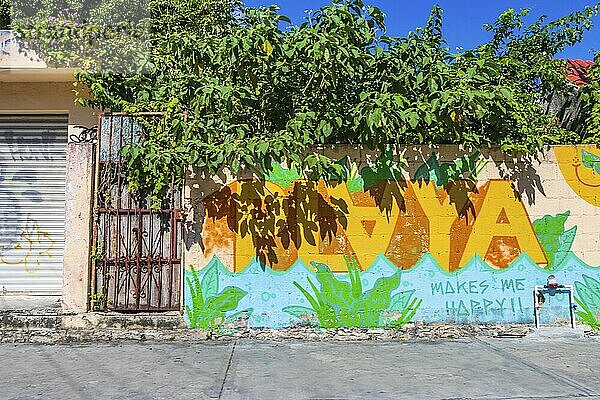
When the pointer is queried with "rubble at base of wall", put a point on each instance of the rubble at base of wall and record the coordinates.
(410, 332)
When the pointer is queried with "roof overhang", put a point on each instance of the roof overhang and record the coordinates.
(37, 74)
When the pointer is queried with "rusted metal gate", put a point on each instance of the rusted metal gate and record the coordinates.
(137, 248)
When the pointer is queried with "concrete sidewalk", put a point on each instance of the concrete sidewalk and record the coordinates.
(481, 368)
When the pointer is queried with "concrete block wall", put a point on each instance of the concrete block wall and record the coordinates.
(447, 235)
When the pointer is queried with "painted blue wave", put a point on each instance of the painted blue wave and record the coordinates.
(477, 293)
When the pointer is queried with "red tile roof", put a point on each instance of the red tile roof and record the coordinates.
(577, 71)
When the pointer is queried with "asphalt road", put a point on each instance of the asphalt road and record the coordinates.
(460, 369)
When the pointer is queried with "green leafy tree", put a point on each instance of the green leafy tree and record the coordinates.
(5, 14)
(94, 35)
(590, 95)
(241, 88)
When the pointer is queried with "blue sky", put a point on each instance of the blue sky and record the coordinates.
(463, 19)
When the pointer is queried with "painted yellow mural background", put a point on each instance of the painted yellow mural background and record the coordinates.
(421, 211)
(402, 220)
(584, 180)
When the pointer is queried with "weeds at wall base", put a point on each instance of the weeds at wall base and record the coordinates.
(411, 331)
(300, 333)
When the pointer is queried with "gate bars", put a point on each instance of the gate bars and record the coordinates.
(136, 254)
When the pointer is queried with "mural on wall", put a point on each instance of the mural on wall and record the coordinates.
(580, 167)
(403, 219)
(338, 303)
(383, 246)
(209, 306)
(588, 299)
(389, 297)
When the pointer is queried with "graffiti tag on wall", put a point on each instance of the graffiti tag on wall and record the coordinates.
(23, 243)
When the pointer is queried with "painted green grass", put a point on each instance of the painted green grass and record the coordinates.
(337, 303)
(208, 305)
(588, 299)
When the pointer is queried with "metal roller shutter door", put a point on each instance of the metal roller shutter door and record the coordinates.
(32, 203)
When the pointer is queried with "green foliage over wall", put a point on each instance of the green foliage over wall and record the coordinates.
(241, 88)
(4, 14)
(591, 102)
(338, 303)
(101, 35)
(466, 167)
